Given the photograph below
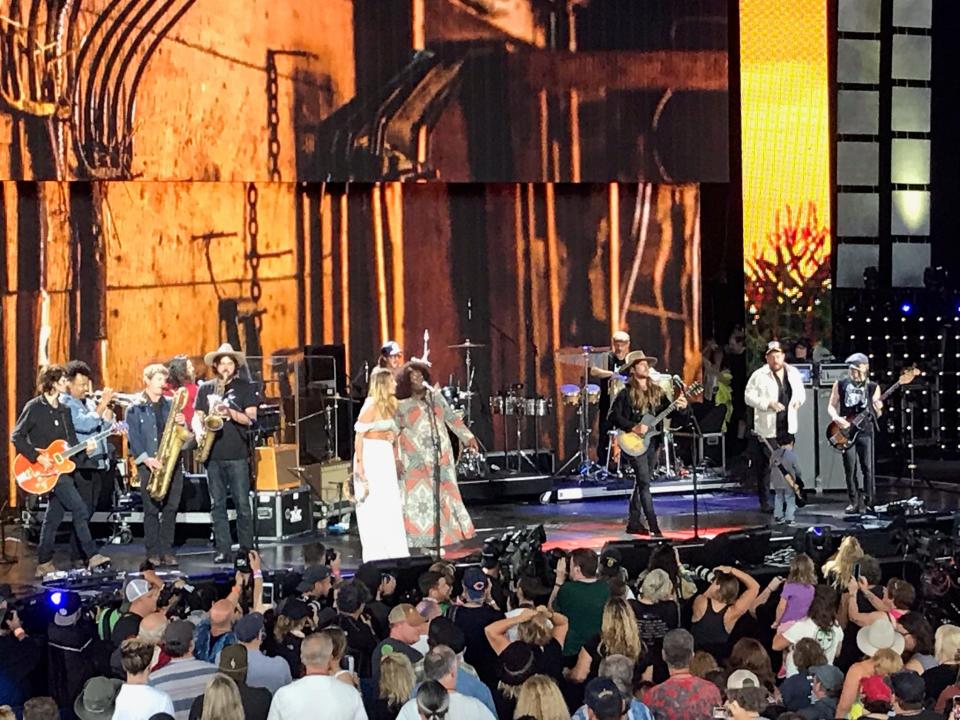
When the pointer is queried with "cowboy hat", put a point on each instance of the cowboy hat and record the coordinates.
(879, 635)
(633, 358)
(225, 350)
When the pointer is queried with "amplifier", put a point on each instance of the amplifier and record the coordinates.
(274, 469)
(282, 514)
(327, 479)
(829, 374)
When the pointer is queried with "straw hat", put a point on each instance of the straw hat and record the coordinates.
(225, 350)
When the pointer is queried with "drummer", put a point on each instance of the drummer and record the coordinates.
(610, 384)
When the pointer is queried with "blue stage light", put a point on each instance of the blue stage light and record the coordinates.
(906, 308)
(56, 598)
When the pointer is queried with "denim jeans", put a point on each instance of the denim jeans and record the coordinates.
(160, 518)
(88, 482)
(235, 476)
(641, 501)
(63, 499)
(781, 498)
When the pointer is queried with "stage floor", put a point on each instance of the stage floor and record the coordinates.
(568, 525)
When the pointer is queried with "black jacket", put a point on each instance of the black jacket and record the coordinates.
(255, 701)
(39, 425)
(624, 416)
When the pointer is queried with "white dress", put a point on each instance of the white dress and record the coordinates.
(380, 513)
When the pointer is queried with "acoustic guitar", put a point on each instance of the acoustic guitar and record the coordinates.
(841, 439)
(32, 478)
(635, 444)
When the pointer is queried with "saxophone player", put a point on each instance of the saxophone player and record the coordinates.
(235, 401)
(147, 419)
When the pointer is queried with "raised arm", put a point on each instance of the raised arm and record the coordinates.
(496, 632)
(747, 597)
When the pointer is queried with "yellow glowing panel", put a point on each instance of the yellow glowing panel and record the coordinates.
(785, 124)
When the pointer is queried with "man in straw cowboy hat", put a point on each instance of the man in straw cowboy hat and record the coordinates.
(641, 397)
(228, 466)
(611, 383)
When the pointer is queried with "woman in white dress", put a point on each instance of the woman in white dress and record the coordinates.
(379, 507)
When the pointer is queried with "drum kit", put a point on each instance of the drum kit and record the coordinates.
(582, 397)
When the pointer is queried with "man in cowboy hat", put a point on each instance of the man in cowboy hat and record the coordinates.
(775, 392)
(228, 466)
(641, 397)
(611, 383)
(849, 397)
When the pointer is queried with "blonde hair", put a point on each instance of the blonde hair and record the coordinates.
(886, 662)
(656, 586)
(537, 630)
(383, 391)
(802, 570)
(338, 641)
(221, 700)
(7, 713)
(839, 568)
(154, 369)
(947, 644)
(539, 697)
(396, 678)
(702, 663)
(619, 634)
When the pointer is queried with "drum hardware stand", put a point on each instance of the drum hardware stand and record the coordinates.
(4, 558)
(697, 436)
(586, 467)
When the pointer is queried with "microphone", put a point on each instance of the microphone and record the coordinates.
(677, 380)
(366, 371)
(470, 308)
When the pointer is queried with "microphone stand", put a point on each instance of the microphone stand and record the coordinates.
(435, 437)
(697, 439)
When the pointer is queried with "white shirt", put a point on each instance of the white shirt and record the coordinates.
(829, 640)
(141, 702)
(462, 707)
(317, 697)
(763, 389)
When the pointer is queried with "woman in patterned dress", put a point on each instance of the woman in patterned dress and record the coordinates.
(417, 456)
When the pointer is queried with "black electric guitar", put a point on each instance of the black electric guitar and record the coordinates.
(842, 438)
(796, 484)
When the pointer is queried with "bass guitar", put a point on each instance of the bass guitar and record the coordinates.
(842, 438)
(635, 444)
(33, 478)
(796, 484)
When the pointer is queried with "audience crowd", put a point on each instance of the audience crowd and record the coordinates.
(826, 643)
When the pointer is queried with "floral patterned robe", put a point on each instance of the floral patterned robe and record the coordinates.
(417, 460)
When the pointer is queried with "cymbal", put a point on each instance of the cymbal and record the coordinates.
(568, 356)
(335, 398)
(467, 345)
(580, 349)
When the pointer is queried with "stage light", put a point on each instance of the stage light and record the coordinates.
(906, 308)
(56, 598)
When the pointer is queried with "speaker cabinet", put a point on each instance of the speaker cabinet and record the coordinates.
(275, 467)
(830, 467)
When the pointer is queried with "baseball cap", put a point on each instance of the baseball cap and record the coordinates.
(390, 348)
(177, 638)
(620, 336)
(475, 583)
(610, 561)
(98, 699)
(444, 632)
(908, 686)
(233, 662)
(773, 346)
(405, 612)
(370, 575)
(248, 627)
(740, 679)
(68, 610)
(313, 575)
(517, 664)
(136, 589)
(830, 677)
(295, 609)
(604, 698)
(874, 689)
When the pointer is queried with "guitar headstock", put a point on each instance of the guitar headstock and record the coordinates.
(694, 388)
(907, 375)
(119, 428)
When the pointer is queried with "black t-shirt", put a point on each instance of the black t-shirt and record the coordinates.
(361, 642)
(472, 621)
(387, 646)
(656, 620)
(381, 709)
(231, 442)
(922, 715)
(289, 650)
(784, 395)
(939, 678)
(255, 702)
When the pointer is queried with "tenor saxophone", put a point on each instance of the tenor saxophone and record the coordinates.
(212, 424)
(168, 452)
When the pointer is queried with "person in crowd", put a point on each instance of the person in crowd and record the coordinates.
(619, 635)
(580, 597)
(908, 693)
(666, 557)
(717, 610)
(876, 698)
(540, 698)
(41, 708)
(361, 639)
(946, 644)
(518, 663)
(150, 631)
(473, 616)
(73, 653)
(7, 713)
(98, 699)
(271, 673)
(184, 677)
(440, 664)
(433, 701)
(136, 699)
(397, 681)
(838, 570)
(530, 593)
(918, 642)
(299, 700)
(221, 701)
(612, 572)
(444, 632)
(703, 664)
(820, 624)
(435, 589)
(215, 631)
(254, 701)
(340, 661)
(619, 670)
(795, 690)
(784, 460)
(873, 575)
(826, 683)
(291, 627)
(898, 597)
(382, 587)
(797, 592)
(872, 640)
(21, 656)
(885, 663)
(746, 696)
(315, 588)
(681, 696)
(406, 625)
(749, 654)
(542, 630)
(658, 612)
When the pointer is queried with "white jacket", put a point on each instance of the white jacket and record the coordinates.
(762, 389)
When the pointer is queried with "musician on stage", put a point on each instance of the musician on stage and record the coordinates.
(147, 419)
(88, 420)
(229, 462)
(775, 392)
(391, 356)
(609, 366)
(43, 420)
(641, 397)
(848, 398)
(182, 374)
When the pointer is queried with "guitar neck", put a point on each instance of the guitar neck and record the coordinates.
(80, 446)
(659, 418)
(863, 414)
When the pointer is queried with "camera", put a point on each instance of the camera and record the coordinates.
(242, 562)
(329, 556)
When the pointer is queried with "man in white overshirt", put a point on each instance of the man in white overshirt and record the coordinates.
(775, 392)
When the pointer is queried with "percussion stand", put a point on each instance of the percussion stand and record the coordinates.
(583, 430)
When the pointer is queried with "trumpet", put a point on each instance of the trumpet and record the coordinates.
(119, 398)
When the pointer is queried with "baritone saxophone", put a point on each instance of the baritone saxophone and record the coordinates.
(212, 424)
(168, 452)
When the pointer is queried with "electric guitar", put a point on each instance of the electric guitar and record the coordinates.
(32, 478)
(635, 444)
(795, 484)
(842, 439)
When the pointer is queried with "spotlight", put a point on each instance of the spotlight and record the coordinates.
(56, 598)
(906, 308)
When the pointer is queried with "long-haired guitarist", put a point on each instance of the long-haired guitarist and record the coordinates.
(641, 397)
(45, 419)
(850, 396)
